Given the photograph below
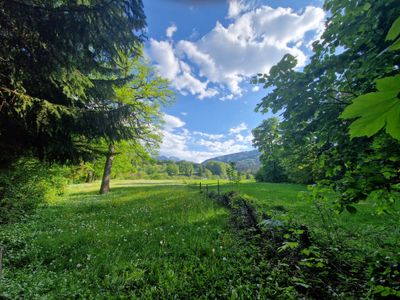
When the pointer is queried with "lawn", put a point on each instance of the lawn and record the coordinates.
(163, 240)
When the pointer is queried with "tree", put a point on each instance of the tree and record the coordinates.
(347, 61)
(58, 70)
(217, 168)
(380, 109)
(232, 173)
(140, 101)
(267, 138)
(172, 169)
(186, 168)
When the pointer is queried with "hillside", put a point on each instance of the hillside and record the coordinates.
(247, 161)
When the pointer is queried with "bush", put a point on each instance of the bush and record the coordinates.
(27, 184)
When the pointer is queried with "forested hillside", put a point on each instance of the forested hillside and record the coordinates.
(246, 162)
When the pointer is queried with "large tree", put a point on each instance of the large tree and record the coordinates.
(138, 103)
(59, 69)
(348, 59)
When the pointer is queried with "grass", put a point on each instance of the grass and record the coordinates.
(137, 242)
(162, 240)
(365, 232)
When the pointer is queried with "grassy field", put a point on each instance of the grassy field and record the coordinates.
(162, 240)
(365, 232)
(151, 242)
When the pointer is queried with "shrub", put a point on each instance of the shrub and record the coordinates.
(27, 184)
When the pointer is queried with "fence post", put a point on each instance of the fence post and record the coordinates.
(218, 187)
(207, 188)
(200, 186)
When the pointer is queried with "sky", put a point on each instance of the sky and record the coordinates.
(209, 50)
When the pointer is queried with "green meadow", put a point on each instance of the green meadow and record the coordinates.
(162, 240)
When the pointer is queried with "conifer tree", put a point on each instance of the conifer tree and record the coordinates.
(58, 73)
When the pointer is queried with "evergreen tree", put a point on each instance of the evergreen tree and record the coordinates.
(58, 69)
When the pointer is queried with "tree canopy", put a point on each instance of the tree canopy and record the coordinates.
(59, 64)
(348, 61)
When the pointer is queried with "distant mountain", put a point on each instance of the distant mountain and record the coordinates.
(247, 161)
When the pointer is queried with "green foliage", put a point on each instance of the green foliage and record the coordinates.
(217, 168)
(186, 168)
(394, 33)
(233, 175)
(268, 139)
(172, 169)
(60, 62)
(27, 184)
(376, 110)
(348, 61)
(379, 109)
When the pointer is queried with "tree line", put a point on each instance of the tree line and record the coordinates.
(125, 167)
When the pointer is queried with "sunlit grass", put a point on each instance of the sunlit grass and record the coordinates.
(150, 242)
(162, 240)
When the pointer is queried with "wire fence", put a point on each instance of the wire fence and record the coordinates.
(217, 187)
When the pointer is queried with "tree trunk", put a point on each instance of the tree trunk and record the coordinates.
(105, 182)
(89, 177)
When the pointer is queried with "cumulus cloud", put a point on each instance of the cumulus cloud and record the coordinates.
(198, 146)
(172, 122)
(177, 71)
(235, 7)
(255, 88)
(241, 127)
(209, 135)
(253, 41)
(169, 32)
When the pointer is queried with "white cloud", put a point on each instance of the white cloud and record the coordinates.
(177, 71)
(224, 147)
(169, 32)
(167, 63)
(209, 135)
(235, 130)
(184, 113)
(239, 138)
(179, 142)
(253, 41)
(235, 8)
(255, 88)
(172, 122)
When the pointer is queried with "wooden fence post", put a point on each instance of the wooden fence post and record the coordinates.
(218, 187)
(200, 186)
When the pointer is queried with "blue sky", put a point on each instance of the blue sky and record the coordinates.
(209, 49)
